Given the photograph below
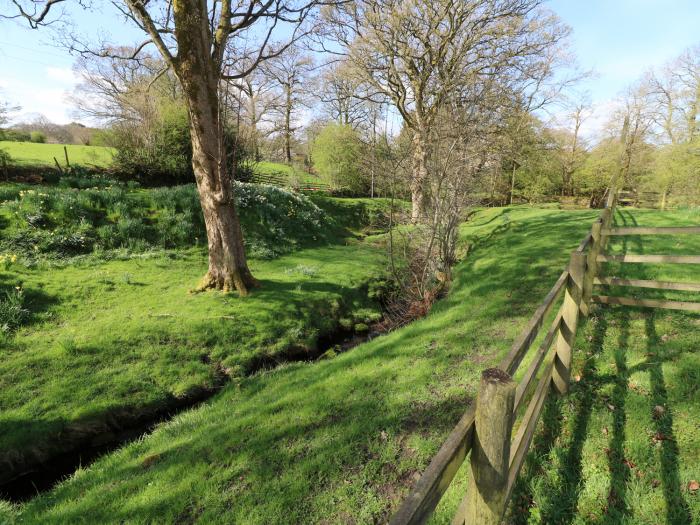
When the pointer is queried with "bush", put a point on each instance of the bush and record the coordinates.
(337, 154)
(37, 137)
(14, 135)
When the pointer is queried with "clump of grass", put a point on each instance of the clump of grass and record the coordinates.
(13, 312)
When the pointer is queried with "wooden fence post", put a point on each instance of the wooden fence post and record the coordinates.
(490, 458)
(606, 223)
(569, 321)
(591, 267)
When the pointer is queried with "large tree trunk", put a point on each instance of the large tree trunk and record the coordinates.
(228, 267)
(419, 176)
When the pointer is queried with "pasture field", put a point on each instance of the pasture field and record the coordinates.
(34, 154)
(342, 439)
(293, 174)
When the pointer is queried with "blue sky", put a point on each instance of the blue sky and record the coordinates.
(619, 39)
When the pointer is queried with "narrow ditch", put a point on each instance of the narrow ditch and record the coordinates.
(21, 481)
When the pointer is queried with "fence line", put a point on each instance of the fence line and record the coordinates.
(486, 427)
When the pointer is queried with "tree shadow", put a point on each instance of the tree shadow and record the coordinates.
(617, 508)
(677, 509)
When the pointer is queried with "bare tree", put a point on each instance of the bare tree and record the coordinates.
(570, 143)
(419, 54)
(5, 111)
(202, 43)
(686, 74)
(663, 94)
(118, 91)
(343, 97)
(291, 71)
(632, 123)
(258, 100)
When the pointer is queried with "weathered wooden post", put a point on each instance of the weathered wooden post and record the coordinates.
(569, 321)
(591, 267)
(488, 480)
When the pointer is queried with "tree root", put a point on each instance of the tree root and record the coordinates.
(241, 282)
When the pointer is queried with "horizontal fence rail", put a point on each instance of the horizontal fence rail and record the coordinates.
(642, 283)
(649, 303)
(674, 259)
(682, 230)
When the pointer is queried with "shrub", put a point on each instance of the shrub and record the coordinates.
(14, 135)
(37, 137)
(337, 154)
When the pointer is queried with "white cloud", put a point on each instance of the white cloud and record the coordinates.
(48, 99)
(62, 74)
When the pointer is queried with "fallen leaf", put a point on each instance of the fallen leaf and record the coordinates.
(658, 437)
(383, 435)
(655, 483)
(659, 411)
(693, 486)
(611, 407)
(605, 431)
(577, 378)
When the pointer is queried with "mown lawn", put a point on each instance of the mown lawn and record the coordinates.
(624, 446)
(30, 153)
(338, 440)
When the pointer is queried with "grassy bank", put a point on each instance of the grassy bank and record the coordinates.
(338, 440)
(33, 154)
(342, 440)
(98, 329)
(108, 341)
(57, 221)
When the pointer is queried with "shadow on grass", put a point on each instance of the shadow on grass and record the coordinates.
(617, 508)
(583, 396)
(36, 301)
(677, 510)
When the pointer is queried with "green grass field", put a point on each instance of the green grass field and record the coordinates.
(292, 173)
(342, 440)
(32, 154)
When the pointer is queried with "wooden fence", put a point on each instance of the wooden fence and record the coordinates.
(647, 259)
(486, 429)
